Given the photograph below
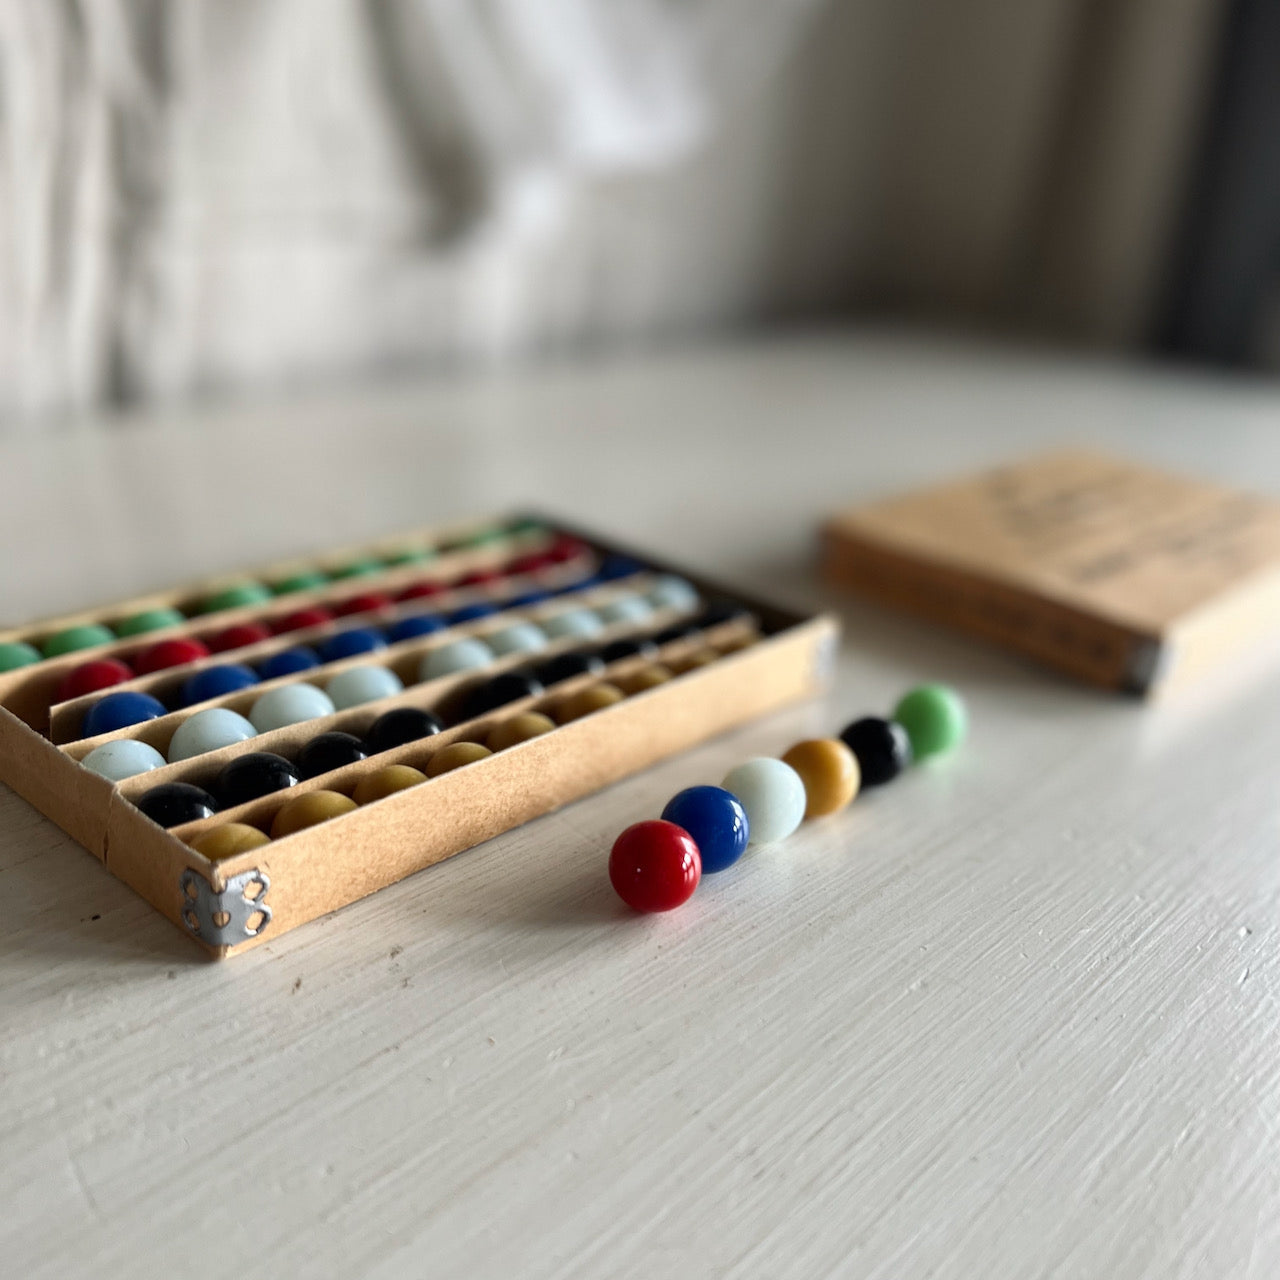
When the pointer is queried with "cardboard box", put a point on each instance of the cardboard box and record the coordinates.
(771, 658)
(1121, 575)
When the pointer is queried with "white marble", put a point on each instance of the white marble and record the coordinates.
(773, 795)
(356, 685)
(122, 758)
(465, 654)
(208, 730)
(516, 637)
(289, 704)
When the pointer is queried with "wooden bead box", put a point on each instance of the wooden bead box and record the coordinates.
(705, 669)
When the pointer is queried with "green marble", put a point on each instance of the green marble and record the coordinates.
(149, 620)
(235, 597)
(934, 717)
(85, 636)
(16, 653)
(303, 580)
(359, 568)
(412, 555)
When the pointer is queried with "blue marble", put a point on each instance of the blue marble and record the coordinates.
(618, 566)
(717, 822)
(213, 682)
(421, 624)
(346, 644)
(469, 613)
(119, 710)
(288, 663)
(524, 601)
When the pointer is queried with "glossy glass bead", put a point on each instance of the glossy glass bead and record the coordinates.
(720, 611)
(670, 592)
(772, 794)
(454, 756)
(529, 724)
(288, 662)
(517, 637)
(680, 631)
(85, 636)
(526, 599)
(149, 620)
(367, 602)
(92, 677)
(521, 566)
(655, 866)
(618, 566)
(216, 682)
(118, 711)
(829, 771)
(628, 610)
(881, 746)
(360, 567)
(386, 782)
(17, 653)
(934, 717)
(123, 758)
(290, 704)
(253, 775)
(616, 650)
(228, 839)
(421, 624)
(209, 730)
(170, 653)
(526, 526)
(565, 548)
(358, 685)
(173, 803)
(236, 596)
(644, 678)
(240, 636)
(584, 702)
(717, 822)
(564, 666)
(472, 613)
(510, 686)
(410, 555)
(347, 644)
(309, 810)
(303, 580)
(400, 725)
(421, 591)
(328, 751)
(301, 619)
(582, 624)
(467, 654)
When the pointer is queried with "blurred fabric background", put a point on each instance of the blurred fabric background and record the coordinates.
(214, 195)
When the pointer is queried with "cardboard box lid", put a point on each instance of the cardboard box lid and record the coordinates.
(1101, 540)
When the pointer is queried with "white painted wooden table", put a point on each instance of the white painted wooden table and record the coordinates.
(1013, 1016)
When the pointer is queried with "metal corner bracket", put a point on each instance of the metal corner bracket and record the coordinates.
(222, 919)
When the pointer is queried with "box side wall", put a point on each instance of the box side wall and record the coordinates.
(74, 798)
(328, 866)
(1098, 652)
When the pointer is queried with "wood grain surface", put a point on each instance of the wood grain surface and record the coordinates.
(1013, 1016)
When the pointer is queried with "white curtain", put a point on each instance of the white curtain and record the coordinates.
(214, 194)
(218, 192)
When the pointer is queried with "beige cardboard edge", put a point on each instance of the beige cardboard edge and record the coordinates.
(1068, 639)
(76, 799)
(331, 865)
(151, 862)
